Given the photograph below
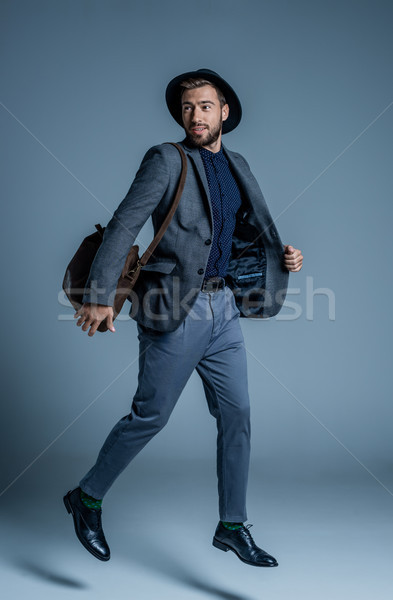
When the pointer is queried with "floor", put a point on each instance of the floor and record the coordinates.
(332, 537)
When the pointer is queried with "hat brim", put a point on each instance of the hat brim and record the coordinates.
(173, 96)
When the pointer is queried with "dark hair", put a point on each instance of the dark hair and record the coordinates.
(193, 83)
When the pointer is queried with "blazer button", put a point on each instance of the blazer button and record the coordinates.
(208, 242)
(201, 271)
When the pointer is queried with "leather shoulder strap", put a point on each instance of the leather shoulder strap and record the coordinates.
(149, 251)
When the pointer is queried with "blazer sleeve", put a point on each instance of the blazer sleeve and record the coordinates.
(145, 193)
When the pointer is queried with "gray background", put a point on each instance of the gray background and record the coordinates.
(82, 100)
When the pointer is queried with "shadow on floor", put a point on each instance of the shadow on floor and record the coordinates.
(48, 575)
(193, 582)
(161, 562)
(174, 572)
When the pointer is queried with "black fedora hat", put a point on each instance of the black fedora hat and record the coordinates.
(173, 95)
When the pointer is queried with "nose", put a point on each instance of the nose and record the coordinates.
(196, 115)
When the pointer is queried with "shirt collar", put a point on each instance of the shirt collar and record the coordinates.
(216, 156)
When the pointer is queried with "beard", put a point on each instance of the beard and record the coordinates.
(211, 137)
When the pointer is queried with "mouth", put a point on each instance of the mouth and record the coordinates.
(198, 130)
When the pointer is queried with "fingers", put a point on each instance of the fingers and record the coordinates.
(109, 323)
(78, 312)
(85, 320)
(293, 258)
(292, 253)
(294, 261)
(295, 267)
(89, 322)
(82, 318)
(89, 317)
(93, 328)
(80, 321)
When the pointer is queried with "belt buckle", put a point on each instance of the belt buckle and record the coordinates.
(213, 285)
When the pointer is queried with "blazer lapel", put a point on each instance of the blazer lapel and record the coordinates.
(257, 211)
(238, 172)
(195, 157)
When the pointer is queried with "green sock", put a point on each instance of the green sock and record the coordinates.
(229, 525)
(89, 501)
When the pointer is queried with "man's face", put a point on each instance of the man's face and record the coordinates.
(203, 117)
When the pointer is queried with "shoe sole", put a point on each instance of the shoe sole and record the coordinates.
(68, 506)
(225, 548)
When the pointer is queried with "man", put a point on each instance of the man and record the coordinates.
(220, 259)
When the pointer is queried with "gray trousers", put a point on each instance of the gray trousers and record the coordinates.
(210, 340)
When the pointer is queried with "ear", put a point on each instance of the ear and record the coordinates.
(225, 112)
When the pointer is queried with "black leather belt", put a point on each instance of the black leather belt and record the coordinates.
(213, 284)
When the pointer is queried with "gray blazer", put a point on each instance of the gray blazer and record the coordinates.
(168, 285)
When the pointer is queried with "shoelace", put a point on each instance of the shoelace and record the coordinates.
(246, 530)
(251, 539)
(95, 517)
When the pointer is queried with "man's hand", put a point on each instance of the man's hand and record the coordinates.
(293, 259)
(91, 315)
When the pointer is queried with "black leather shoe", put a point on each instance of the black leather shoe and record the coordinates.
(87, 523)
(241, 543)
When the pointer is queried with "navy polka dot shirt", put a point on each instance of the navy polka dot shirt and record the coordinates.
(226, 201)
